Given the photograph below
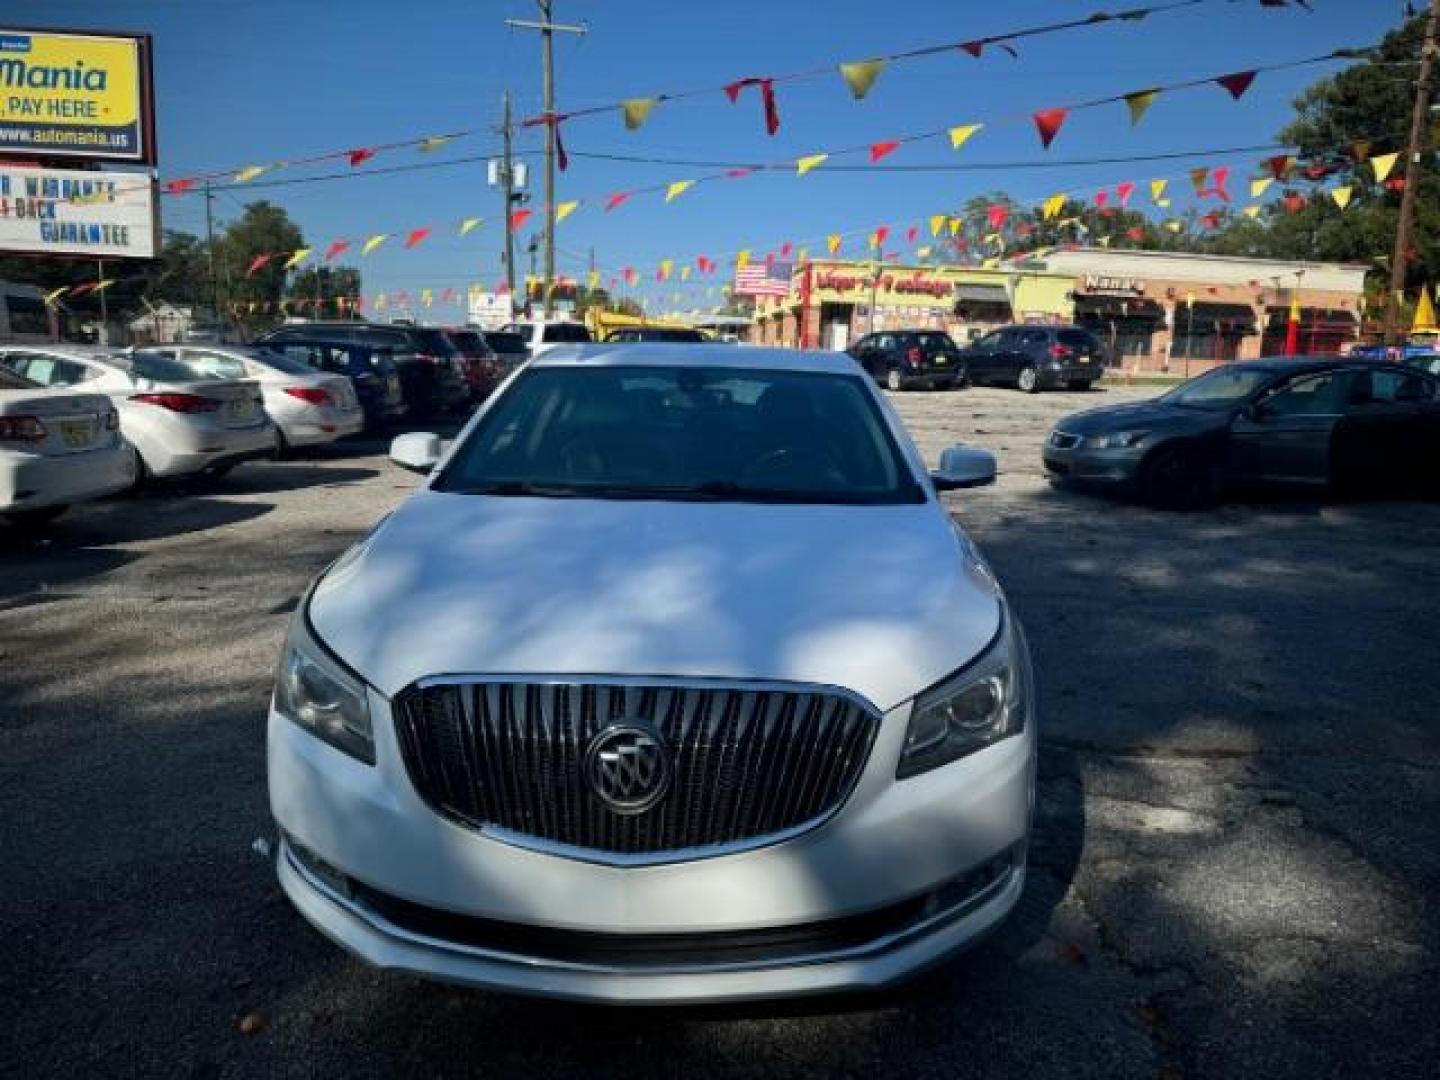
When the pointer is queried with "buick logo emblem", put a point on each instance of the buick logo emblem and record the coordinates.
(628, 768)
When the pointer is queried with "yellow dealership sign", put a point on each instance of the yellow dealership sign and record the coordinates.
(75, 95)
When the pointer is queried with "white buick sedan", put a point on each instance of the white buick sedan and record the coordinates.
(179, 421)
(57, 447)
(673, 682)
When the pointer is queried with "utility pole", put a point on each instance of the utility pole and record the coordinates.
(210, 251)
(507, 188)
(1398, 260)
(547, 34)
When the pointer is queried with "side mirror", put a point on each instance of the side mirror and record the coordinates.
(418, 451)
(964, 467)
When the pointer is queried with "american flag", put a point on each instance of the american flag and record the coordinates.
(763, 279)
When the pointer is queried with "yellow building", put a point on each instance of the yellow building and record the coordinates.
(833, 302)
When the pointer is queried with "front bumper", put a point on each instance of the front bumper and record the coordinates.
(1118, 467)
(893, 843)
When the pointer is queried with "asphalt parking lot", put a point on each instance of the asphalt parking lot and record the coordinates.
(1234, 870)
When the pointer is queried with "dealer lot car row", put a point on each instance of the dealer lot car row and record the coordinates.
(1026, 357)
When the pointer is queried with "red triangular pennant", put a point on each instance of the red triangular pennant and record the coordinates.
(974, 48)
(883, 149)
(518, 219)
(256, 264)
(996, 215)
(1237, 83)
(361, 155)
(615, 200)
(1048, 123)
(1124, 190)
(767, 97)
(417, 236)
(335, 249)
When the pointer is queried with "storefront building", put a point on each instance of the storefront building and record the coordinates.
(1155, 311)
(1183, 313)
(832, 303)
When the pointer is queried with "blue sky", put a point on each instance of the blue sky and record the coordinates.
(251, 81)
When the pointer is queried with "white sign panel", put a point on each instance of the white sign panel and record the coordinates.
(72, 212)
(490, 311)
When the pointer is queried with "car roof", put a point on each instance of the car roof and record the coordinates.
(109, 353)
(699, 355)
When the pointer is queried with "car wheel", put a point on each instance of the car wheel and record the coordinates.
(1178, 478)
(1028, 380)
(894, 381)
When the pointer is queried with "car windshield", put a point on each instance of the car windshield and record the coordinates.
(936, 344)
(434, 342)
(158, 368)
(504, 341)
(468, 341)
(11, 381)
(684, 433)
(1218, 389)
(273, 358)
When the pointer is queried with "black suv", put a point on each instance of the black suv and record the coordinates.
(1031, 358)
(431, 369)
(902, 359)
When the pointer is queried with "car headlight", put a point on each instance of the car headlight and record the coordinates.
(320, 694)
(1120, 440)
(979, 705)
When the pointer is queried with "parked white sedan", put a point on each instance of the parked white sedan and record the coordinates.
(178, 422)
(57, 447)
(309, 406)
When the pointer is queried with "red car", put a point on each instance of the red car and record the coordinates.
(478, 363)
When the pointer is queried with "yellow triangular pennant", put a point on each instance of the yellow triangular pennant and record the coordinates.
(1252, 211)
(1054, 205)
(937, 222)
(468, 224)
(374, 242)
(832, 243)
(637, 110)
(1342, 196)
(565, 209)
(954, 224)
(592, 279)
(1140, 103)
(805, 164)
(434, 142)
(1260, 185)
(959, 136)
(678, 188)
(1157, 189)
(297, 257)
(861, 75)
(1383, 164)
(742, 258)
(1173, 225)
(250, 172)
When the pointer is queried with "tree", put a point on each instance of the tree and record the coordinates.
(263, 229)
(324, 282)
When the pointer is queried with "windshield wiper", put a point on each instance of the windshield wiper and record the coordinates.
(519, 489)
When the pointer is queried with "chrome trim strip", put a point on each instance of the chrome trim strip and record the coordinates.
(878, 946)
(679, 682)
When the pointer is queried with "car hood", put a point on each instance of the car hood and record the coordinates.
(881, 600)
(1142, 416)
